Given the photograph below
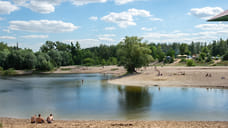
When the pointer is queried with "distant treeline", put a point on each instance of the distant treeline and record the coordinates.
(55, 54)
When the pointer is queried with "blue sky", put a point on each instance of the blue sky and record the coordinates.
(95, 22)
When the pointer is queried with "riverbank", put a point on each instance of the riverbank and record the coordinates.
(172, 76)
(24, 123)
(115, 70)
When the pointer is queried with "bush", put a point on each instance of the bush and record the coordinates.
(183, 60)
(44, 66)
(0, 125)
(168, 60)
(88, 62)
(1, 69)
(191, 63)
(9, 72)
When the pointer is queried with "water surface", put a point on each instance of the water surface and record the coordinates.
(67, 97)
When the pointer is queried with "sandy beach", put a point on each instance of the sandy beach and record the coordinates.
(172, 76)
(115, 70)
(24, 123)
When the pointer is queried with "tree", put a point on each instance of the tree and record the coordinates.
(56, 57)
(29, 59)
(3, 56)
(225, 57)
(133, 54)
(43, 62)
(184, 49)
(160, 54)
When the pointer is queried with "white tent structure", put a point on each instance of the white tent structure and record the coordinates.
(220, 17)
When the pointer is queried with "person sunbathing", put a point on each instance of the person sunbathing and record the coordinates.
(33, 119)
(40, 119)
(50, 118)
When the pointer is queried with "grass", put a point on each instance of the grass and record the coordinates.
(222, 63)
(9, 72)
(114, 69)
(65, 69)
(0, 125)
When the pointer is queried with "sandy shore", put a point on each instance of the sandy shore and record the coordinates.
(24, 123)
(216, 77)
(171, 75)
(115, 70)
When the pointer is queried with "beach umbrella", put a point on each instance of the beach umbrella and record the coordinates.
(220, 17)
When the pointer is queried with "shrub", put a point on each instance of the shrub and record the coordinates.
(190, 63)
(88, 62)
(0, 125)
(1, 69)
(183, 60)
(9, 72)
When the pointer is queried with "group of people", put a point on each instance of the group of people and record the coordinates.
(41, 120)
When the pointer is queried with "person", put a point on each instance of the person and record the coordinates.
(50, 118)
(33, 119)
(40, 119)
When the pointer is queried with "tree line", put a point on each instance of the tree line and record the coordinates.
(131, 53)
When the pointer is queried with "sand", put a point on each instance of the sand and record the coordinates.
(172, 76)
(115, 70)
(24, 123)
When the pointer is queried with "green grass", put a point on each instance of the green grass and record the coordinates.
(65, 69)
(9, 72)
(0, 125)
(114, 69)
(222, 63)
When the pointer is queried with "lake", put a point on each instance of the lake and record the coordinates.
(67, 97)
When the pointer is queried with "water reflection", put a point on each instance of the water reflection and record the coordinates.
(134, 101)
(68, 98)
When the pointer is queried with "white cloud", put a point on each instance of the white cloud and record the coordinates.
(48, 6)
(210, 32)
(7, 37)
(6, 30)
(83, 2)
(120, 2)
(125, 19)
(213, 27)
(86, 43)
(146, 29)
(94, 18)
(46, 26)
(6, 7)
(106, 37)
(35, 36)
(206, 12)
(110, 28)
(40, 6)
(1, 18)
(156, 19)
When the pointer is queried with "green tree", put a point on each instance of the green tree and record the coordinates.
(133, 54)
(160, 54)
(184, 49)
(56, 58)
(3, 57)
(43, 62)
(29, 59)
(225, 57)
